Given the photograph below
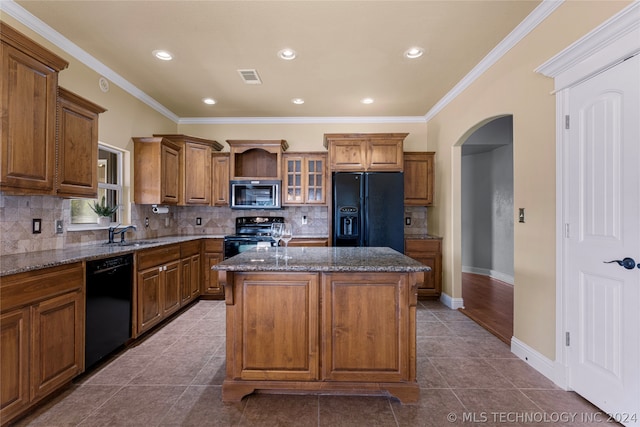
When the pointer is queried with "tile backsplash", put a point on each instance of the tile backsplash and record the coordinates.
(17, 214)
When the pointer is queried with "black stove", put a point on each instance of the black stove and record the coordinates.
(250, 230)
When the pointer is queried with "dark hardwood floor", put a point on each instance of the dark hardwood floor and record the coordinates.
(489, 302)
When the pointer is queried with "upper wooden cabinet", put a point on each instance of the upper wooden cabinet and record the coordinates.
(305, 179)
(418, 178)
(157, 171)
(28, 110)
(195, 159)
(365, 152)
(258, 159)
(220, 179)
(77, 158)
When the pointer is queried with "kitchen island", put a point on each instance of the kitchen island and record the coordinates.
(328, 320)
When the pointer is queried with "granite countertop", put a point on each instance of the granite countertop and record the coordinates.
(20, 263)
(326, 259)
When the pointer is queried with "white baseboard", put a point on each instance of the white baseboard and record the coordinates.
(537, 361)
(490, 273)
(452, 303)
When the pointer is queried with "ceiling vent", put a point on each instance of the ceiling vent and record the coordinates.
(250, 77)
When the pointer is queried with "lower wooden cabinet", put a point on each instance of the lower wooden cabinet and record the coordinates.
(212, 254)
(429, 252)
(190, 266)
(330, 332)
(158, 285)
(42, 335)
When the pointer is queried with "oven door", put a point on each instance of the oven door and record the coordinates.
(233, 245)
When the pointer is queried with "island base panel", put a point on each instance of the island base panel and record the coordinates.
(406, 393)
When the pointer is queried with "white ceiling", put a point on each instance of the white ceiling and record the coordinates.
(347, 50)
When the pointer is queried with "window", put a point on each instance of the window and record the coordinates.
(109, 187)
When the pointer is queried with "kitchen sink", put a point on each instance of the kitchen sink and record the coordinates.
(133, 243)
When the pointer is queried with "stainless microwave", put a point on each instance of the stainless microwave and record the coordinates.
(255, 194)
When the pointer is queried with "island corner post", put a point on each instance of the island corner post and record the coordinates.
(329, 321)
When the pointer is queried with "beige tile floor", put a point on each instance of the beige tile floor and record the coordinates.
(173, 378)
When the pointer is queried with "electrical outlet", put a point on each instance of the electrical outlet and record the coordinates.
(59, 226)
(407, 220)
(146, 222)
(198, 221)
(37, 226)
(304, 220)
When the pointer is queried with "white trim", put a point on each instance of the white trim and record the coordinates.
(452, 303)
(299, 120)
(494, 274)
(608, 44)
(525, 27)
(536, 360)
(538, 15)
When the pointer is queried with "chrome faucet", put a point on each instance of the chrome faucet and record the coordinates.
(114, 230)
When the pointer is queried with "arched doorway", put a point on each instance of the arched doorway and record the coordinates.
(487, 225)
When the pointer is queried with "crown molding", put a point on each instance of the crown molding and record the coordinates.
(534, 19)
(611, 42)
(299, 120)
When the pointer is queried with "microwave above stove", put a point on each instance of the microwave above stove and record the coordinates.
(255, 194)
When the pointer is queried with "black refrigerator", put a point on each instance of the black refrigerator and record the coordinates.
(368, 209)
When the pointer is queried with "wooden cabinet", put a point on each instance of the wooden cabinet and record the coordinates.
(365, 152)
(258, 159)
(364, 327)
(213, 253)
(196, 167)
(428, 252)
(304, 179)
(302, 241)
(278, 333)
(220, 179)
(77, 139)
(28, 110)
(418, 178)
(190, 265)
(158, 285)
(330, 332)
(157, 171)
(42, 335)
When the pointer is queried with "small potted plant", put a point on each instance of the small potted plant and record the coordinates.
(103, 211)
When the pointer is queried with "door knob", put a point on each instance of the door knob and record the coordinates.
(628, 263)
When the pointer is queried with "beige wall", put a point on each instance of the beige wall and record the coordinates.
(306, 137)
(512, 87)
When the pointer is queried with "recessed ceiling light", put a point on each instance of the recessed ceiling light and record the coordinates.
(297, 101)
(414, 52)
(209, 101)
(367, 100)
(287, 54)
(163, 54)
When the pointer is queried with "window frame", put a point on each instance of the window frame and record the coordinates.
(118, 188)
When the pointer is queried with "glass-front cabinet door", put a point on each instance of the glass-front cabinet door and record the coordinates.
(304, 179)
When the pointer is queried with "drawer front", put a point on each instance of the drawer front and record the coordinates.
(214, 245)
(157, 256)
(190, 248)
(421, 245)
(21, 289)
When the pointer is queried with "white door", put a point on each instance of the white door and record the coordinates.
(602, 167)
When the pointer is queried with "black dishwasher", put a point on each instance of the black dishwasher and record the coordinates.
(108, 308)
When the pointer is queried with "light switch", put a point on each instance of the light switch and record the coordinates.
(521, 215)
(37, 226)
